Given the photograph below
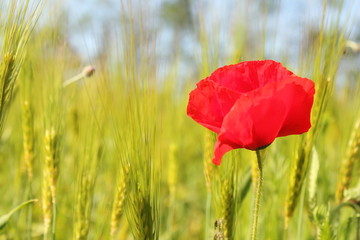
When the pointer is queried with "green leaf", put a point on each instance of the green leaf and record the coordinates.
(5, 218)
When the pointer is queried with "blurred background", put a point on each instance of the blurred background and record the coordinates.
(285, 26)
(273, 29)
(109, 151)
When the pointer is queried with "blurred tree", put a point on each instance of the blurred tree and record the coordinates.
(177, 14)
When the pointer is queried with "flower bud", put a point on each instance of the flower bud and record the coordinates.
(88, 71)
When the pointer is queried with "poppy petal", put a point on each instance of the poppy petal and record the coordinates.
(250, 75)
(266, 121)
(209, 103)
(252, 123)
(278, 109)
(220, 149)
(299, 100)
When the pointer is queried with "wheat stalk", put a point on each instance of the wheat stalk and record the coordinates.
(226, 192)
(139, 213)
(16, 28)
(118, 204)
(227, 204)
(7, 81)
(28, 138)
(348, 162)
(328, 52)
(83, 206)
(47, 205)
(219, 230)
(296, 179)
(209, 140)
(50, 173)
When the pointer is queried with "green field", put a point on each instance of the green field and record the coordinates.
(111, 154)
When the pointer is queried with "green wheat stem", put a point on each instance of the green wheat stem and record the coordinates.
(300, 219)
(171, 216)
(29, 212)
(358, 228)
(53, 221)
(257, 196)
(207, 214)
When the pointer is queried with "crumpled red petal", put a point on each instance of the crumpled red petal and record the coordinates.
(299, 101)
(250, 75)
(209, 103)
(257, 118)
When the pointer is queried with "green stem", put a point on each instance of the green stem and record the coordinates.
(29, 213)
(76, 78)
(257, 195)
(45, 236)
(207, 214)
(53, 221)
(300, 220)
(171, 217)
(358, 228)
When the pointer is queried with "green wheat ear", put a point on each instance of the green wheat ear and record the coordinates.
(296, 179)
(50, 175)
(118, 204)
(226, 192)
(328, 48)
(28, 138)
(7, 78)
(312, 183)
(347, 165)
(17, 25)
(83, 206)
(325, 230)
(228, 206)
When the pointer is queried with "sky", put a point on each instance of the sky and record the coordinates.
(285, 26)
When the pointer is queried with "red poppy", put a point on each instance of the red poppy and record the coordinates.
(249, 104)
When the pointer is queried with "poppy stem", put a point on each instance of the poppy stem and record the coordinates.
(258, 186)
